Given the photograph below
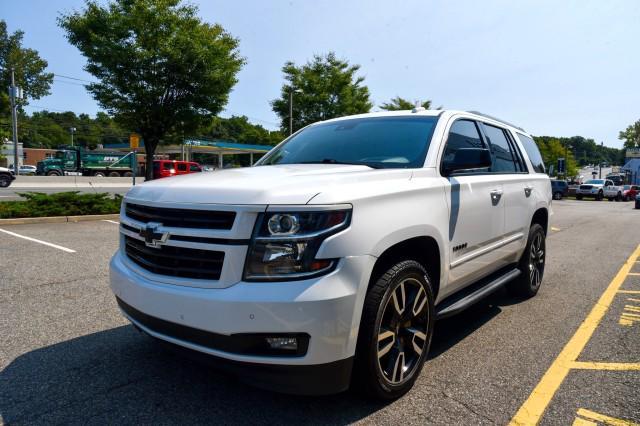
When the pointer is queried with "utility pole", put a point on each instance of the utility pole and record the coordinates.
(13, 93)
(72, 130)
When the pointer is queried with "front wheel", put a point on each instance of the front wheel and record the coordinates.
(599, 196)
(557, 195)
(578, 197)
(5, 181)
(99, 174)
(53, 173)
(531, 264)
(395, 331)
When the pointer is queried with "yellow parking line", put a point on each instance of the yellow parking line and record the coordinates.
(592, 415)
(533, 408)
(612, 366)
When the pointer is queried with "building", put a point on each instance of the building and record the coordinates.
(33, 155)
(632, 165)
(6, 152)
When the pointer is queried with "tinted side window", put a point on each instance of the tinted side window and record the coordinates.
(167, 166)
(463, 134)
(194, 168)
(501, 154)
(182, 167)
(533, 153)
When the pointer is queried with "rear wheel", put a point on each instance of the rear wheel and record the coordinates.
(619, 197)
(114, 174)
(128, 174)
(599, 196)
(5, 181)
(531, 264)
(98, 174)
(395, 331)
(557, 195)
(53, 173)
(578, 197)
(610, 198)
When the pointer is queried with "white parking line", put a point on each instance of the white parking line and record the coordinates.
(68, 250)
(111, 221)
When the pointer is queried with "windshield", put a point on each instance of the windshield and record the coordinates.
(60, 155)
(626, 187)
(378, 142)
(595, 182)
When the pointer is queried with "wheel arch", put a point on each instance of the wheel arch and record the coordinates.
(541, 217)
(424, 249)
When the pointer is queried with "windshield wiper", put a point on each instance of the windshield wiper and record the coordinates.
(334, 161)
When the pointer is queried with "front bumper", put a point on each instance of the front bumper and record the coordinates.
(327, 309)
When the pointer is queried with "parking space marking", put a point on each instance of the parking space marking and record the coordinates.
(629, 291)
(593, 418)
(634, 274)
(24, 237)
(111, 221)
(533, 408)
(553, 228)
(609, 366)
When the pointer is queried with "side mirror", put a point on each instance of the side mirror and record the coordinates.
(468, 159)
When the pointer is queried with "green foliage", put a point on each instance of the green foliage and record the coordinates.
(161, 69)
(583, 151)
(29, 69)
(330, 88)
(60, 204)
(239, 129)
(44, 129)
(400, 104)
(552, 149)
(631, 135)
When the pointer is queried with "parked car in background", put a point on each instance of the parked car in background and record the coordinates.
(168, 168)
(559, 189)
(27, 170)
(593, 188)
(6, 177)
(629, 192)
(616, 178)
(613, 192)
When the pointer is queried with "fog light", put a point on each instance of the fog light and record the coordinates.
(287, 343)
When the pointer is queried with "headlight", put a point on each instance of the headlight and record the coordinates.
(284, 244)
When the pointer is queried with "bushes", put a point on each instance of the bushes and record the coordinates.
(73, 203)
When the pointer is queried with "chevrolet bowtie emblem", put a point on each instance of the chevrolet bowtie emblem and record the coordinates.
(153, 238)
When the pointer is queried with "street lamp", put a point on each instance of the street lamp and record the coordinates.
(566, 160)
(291, 107)
(72, 130)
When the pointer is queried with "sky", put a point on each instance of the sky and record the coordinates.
(559, 68)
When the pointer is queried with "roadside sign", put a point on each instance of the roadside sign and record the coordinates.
(134, 140)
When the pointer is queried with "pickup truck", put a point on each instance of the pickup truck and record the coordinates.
(593, 188)
(329, 261)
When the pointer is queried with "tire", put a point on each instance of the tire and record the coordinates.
(128, 174)
(531, 264)
(5, 181)
(377, 358)
(98, 174)
(557, 195)
(578, 197)
(619, 197)
(53, 173)
(610, 198)
(599, 196)
(114, 174)
(625, 198)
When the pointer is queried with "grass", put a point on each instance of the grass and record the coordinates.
(71, 203)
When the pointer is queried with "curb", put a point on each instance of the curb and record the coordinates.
(58, 219)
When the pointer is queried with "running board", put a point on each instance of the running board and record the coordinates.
(461, 301)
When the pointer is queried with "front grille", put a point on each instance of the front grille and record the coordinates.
(586, 186)
(175, 261)
(181, 218)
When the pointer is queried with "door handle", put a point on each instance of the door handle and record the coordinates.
(527, 190)
(496, 194)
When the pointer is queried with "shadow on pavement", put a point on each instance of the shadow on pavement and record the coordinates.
(122, 376)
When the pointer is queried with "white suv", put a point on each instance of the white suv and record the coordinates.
(330, 259)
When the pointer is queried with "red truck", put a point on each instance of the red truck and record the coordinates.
(168, 168)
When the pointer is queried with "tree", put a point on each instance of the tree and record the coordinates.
(29, 68)
(239, 129)
(324, 88)
(399, 104)
(161, 70)
(631, 135)
(551, 149)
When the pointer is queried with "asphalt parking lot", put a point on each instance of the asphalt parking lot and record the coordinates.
(571, 354)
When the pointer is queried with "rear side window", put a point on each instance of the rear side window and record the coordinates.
(182, 167)
(502, 156)
(194, 168)
(533, 153)
(167, 166)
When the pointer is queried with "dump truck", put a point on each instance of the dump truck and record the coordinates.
(88, 163)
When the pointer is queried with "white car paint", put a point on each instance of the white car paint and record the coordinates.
(388, 206)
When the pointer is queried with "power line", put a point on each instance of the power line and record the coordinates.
(74, 78)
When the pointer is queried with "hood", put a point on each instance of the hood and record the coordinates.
(280, 184)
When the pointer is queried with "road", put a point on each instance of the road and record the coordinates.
(67, 356)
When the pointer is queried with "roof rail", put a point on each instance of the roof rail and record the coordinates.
(496, 119)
